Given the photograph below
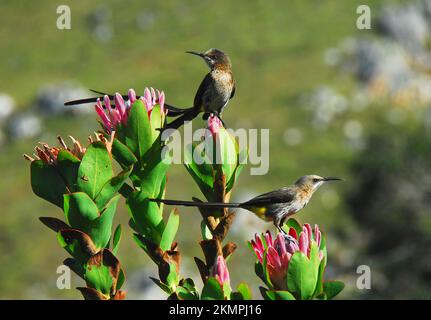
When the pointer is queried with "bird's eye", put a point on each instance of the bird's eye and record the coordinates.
(316, 180)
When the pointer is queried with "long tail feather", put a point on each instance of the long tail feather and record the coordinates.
(187, 116)
(173, 111)
(197, 204)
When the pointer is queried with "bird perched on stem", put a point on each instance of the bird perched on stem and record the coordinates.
(212, 96)
(214, 92)
(275, 206)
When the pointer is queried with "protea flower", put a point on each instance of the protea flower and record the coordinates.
(49, 154)
(279, 252)
(220, 271)
(113, 117)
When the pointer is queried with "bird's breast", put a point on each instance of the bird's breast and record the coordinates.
(219, 93)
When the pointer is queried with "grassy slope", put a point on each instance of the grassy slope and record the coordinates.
(277, 50)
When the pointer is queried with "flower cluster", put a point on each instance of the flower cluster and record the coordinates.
(49, 155)
(118, 115)
(280, 250)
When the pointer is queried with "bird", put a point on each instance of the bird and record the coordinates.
(275, 206)
(214, 92)
(212, 96)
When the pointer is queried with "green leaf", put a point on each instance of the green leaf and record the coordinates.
(111, 187)
(82, 213)
(146, 216)
(148, 246)
(279, 295)
(172, 277)
(332, 288)
(202, 171)
(153, 178)
(95, 169)
(302, 274)
(189, 284)
(244, 292)
(47, 183)
(116, 239)
(186, 294)
(156, 122)
(101, 272)
(170, 230)
(77, 243)
(319, 285)
(100, 229)
(161, 285)
(122, 154)
(212, 290)
(228, 153)
(68, 165)
(138, 134)
(120, 280)
(79, 210)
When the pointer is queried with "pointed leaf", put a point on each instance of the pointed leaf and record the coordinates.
(302, 274)
(116, 239)
(279, 295)
(332, 288)
(68, 165)
(212, 290)
(146, 216)
(111, 187)
(79, 210)
(47, 183)
(122, 154)
(138, 135)
(95, 169)
(170, 230)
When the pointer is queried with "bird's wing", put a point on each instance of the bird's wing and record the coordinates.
(282, 195)
(206, 83)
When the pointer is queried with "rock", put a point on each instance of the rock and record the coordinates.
(325, 103)
(407, 24)
(7, 105)
(51, 98)
(100, 27)
(24, 125)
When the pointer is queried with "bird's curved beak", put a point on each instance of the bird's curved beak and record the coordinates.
(200, 54)
(332, 179)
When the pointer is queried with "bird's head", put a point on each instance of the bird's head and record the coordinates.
(312, 182)
(214, 58)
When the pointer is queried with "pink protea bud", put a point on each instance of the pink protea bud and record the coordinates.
(153, 96)
(220, 271)
(120, 106)
(148, 100)
(132, 96)
(303, 241)
(214, 124)
(103, 116)
(107, 103)
(162, 101)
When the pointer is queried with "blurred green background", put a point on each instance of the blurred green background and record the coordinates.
(338, 101)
